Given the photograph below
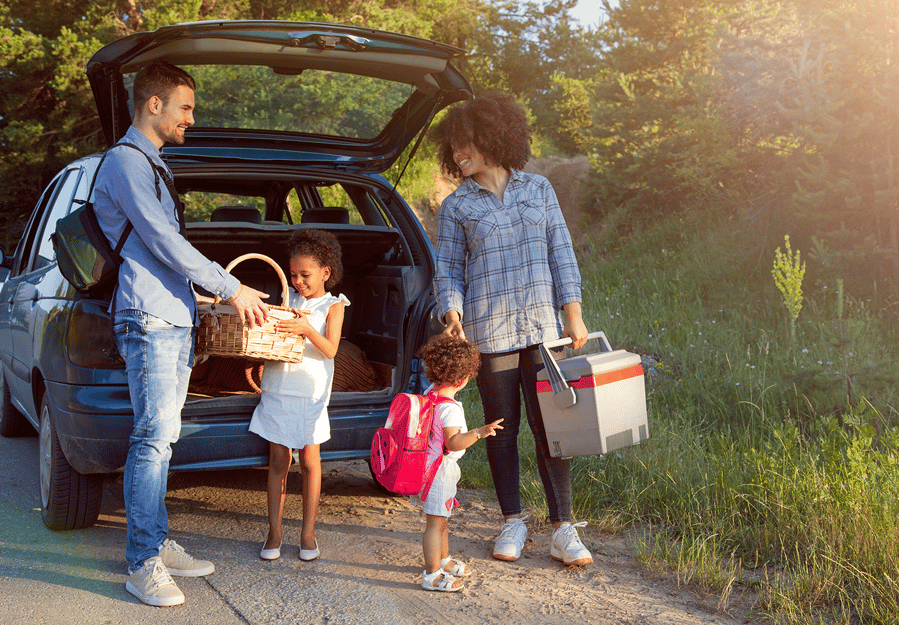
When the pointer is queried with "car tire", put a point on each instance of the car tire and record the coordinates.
(12, 422)
(69, 500)
(380, 487)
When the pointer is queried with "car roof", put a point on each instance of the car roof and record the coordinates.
(328, 95)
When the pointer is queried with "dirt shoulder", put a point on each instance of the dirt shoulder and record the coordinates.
(384, 532)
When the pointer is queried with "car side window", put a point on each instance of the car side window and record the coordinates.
(58, 208)
(26, 242)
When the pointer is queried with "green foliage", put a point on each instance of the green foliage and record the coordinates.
(788, 272)
(782, 112)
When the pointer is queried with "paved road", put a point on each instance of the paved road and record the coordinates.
(78, 576)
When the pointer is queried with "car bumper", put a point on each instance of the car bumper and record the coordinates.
(97, 442)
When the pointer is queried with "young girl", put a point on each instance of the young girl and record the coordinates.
(450, 362)
(292, 412)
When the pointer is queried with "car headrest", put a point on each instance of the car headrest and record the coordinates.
(236, 213)
(325, 215)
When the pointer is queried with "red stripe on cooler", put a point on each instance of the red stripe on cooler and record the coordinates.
(599, 379)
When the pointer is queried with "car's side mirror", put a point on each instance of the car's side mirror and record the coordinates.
(5, 261)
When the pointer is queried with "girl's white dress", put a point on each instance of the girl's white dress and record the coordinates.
(293, 408)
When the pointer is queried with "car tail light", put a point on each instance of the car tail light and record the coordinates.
(89, 339)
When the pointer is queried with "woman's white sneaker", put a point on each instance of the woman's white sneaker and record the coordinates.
(566, 545)
(511, 539)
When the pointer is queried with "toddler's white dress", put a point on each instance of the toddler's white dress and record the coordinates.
(442, 495)
(293, 408)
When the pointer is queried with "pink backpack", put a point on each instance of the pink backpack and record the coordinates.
(399, 450)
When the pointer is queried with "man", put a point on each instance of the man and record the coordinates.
(154, 318)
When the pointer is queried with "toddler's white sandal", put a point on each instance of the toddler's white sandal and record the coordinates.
(444, 585)
(459, 568)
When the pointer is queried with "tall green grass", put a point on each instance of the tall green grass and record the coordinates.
(771, 463)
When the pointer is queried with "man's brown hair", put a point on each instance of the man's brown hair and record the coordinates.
(159, 79)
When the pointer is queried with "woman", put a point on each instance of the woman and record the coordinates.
(505, 267)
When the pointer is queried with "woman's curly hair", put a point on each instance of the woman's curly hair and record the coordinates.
(494, 123)
(320, 245)
(449, 360)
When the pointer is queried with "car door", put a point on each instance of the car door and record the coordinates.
(22, 258)
(37, 259)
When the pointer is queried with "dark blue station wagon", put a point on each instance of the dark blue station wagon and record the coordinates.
(295, 124)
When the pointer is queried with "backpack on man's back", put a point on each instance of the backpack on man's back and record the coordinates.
(399, 450)
(83, 253)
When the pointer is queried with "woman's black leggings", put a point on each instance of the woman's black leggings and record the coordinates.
(499, 379)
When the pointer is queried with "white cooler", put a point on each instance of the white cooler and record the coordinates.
(592, 404)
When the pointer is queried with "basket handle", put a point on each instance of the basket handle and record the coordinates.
(285, 299)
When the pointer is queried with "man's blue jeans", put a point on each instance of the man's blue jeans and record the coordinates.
(158, 358)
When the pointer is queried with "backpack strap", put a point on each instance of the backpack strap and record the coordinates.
(433, 399)
(158, 172)
(161, 172)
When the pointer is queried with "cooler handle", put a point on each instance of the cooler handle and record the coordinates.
(592, 335)
(563, 395)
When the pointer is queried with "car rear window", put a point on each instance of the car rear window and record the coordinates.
(313, 101)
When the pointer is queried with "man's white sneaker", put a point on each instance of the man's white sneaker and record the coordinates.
(181, 564)
(566, 545)
(511, 539)
(153, 585)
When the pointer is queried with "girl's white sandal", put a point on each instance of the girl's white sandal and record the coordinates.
(444, 585)
(459, 569)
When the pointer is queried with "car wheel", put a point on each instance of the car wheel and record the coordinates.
(378, 485)
(12, 422)
(69, 499)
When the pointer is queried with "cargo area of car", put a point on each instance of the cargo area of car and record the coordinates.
(374, 281)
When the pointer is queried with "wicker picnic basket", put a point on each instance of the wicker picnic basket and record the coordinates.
(223, 333)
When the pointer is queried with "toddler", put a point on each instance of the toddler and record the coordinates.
(451, 361)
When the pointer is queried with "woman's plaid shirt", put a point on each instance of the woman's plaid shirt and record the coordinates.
(507, 267)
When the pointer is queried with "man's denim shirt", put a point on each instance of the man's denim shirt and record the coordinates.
(159, 264)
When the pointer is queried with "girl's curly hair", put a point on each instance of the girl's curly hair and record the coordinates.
(449, 359)
(494, 123)
(320, 245)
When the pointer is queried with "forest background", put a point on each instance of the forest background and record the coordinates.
(740, 231)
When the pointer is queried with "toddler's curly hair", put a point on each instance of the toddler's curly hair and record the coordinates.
(449, 359)
(320, 245)
(493, 123)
